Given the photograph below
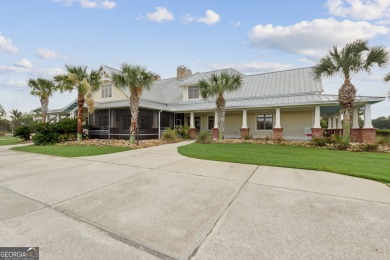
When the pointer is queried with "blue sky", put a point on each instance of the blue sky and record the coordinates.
(37, 38)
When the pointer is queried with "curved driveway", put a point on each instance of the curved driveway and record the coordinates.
(154, 203)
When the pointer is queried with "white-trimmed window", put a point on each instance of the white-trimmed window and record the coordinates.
(264, 121)
(106, 91)
(193, 92)
(210, 122)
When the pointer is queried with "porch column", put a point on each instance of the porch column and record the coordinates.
(355, 130)
(339, 121)
(367, 116)
(334, 124)
(368, 132)
(58, 118)
(329, 122)
(155, 117)
(277, 131)
(317, 130)
(244, 130)
(215, 129)
(192, 131)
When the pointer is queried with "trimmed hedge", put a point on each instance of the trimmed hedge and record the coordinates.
(383, 132)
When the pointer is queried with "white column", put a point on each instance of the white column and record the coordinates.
(339, 121)
(355, 118)
(317, 117)
(155, 120)
(215, 120)
(192, 123)
(277, 118)
(58, 117)
(334, 122)
(330, 122)
(367, 116)
(244, 119)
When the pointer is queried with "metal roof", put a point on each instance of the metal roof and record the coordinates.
(294, 87)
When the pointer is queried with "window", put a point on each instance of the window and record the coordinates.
(211, 122)
(126, 122)
(106, 91)
(264, 122)
(103, 120)
(193, 92)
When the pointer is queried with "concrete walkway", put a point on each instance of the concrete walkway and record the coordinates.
(154, 203)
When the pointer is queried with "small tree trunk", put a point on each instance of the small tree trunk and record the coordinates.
(347, 125)
(134, 104)
(80, 115)
(220, 102)
(44, 108)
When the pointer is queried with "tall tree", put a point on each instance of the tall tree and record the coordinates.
(353, 58)
(77, 78)
(2, 111)
(216, 86)
(136, 79)
(42, 88)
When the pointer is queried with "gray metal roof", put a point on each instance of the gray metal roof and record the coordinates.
(294, 87)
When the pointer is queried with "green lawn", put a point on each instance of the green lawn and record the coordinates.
(7, 140)
(374, 166)
(70, 151)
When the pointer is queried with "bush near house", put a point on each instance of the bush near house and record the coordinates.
(170, 136)
(24, 132)
(383, 132)
(204, 138)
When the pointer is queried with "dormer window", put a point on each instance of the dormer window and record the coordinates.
(193, 92)
(106, 91)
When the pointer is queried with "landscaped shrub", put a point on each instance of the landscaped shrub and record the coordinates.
(23, 132)
(340, 143)
(67, 129)
(204, 138)
(384, 140)
(369, 148)
(383, 132)
(183, 131)
(248, 137)
(46, 134)
(321, 141)
(169, 136)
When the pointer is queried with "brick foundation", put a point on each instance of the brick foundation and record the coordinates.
(277, 133)
(368, 135)
(192, 133)
(244, 132)
(317, 132)
(215, 133)
(356, 135)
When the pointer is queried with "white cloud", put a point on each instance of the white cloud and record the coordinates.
(236, 24)
(24, 63)
(360, 9)
(105, 4)
(6, 44)
(32, 72)
(252, 67)
(160, 15)
(210, 18)
(312, 38)
(14, 83)
(46, 53)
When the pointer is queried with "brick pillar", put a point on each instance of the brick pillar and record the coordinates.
(277, 133)
(356, 135)
(215, 133)
(244, 132)
(192, 133)
(368, 135)
(317, 133)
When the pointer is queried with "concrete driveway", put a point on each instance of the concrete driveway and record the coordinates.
(154, 203)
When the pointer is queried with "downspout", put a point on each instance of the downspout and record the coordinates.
(159, 124)
(109, 123)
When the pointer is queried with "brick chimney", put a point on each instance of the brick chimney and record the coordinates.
(183, 72)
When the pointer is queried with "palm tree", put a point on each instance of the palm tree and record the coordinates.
(42, 88)
(136, 79)
(353, 58)
(85, 83)
(387, 78)
(216, 86)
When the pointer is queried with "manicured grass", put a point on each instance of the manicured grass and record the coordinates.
(70, 151)
(374, 166)
(7, 140)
